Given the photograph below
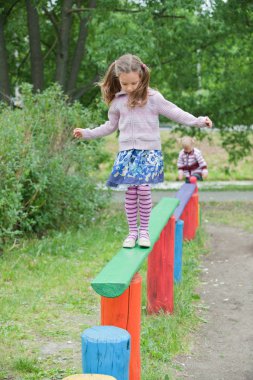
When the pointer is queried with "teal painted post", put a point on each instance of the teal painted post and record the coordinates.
(178, 250)
(106, 351)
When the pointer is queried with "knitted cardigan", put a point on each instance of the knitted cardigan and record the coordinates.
(139, 126)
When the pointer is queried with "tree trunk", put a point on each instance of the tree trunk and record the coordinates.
(5, 88)
(79, 92)
(63, 44)
(79, 50)
(35, 46)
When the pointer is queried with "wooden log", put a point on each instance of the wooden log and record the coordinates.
(160, 274)
(106, 350)
(196, 210)
(186, 217)
(125, 312)
(178, 250)
(193, 180)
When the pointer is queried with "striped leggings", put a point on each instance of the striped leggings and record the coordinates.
(138, 197)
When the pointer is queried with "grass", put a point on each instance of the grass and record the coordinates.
(216, 157)
(236, 214)
(47, 301)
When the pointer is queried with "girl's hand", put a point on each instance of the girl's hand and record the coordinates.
(78, 133)
(208, 122)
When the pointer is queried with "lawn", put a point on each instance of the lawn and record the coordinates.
(47, 301)
(234, 214)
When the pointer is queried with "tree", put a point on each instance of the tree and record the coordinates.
(5, 89)
(35, 46)
(200, 56)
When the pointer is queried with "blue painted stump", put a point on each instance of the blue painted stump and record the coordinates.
(106, 350)
(178, 250)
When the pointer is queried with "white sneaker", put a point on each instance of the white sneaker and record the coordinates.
(129, 242)
(144, 242)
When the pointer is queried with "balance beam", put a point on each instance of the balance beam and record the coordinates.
(116, 276)
(184, 194)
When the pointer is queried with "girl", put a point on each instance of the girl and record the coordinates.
(134, 111)
(190, 161)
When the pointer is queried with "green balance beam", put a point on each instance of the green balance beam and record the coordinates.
(116, 276)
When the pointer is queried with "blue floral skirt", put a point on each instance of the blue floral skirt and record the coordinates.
(136, 167)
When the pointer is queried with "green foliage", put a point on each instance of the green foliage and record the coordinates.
(200, 55)
(46, 176)
(170, 154)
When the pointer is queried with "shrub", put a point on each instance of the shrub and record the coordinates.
(47, 177)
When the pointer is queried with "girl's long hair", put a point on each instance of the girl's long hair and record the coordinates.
(110, 84)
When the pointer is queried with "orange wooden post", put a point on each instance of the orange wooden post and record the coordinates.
(125, 312)
(190, 217)
(196, 200)
(160, 274)
(196, 210)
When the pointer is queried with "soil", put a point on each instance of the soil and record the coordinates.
(222, 348)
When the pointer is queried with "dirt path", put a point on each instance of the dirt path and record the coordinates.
(223, 347)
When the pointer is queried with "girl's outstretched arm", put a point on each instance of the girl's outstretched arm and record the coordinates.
(103, 130)
(173, 112)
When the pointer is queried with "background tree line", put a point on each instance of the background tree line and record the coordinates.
(200, 53)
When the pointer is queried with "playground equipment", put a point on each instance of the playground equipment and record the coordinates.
(106, 350)
(119, 283)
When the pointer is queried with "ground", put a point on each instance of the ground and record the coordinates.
(222, 349)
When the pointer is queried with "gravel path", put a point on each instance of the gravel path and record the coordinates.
(223, 347)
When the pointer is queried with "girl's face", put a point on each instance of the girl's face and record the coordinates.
(129, 81)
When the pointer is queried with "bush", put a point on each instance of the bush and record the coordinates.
(46, 176)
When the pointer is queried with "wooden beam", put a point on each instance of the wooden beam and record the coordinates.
(116, 276)
(184, 195)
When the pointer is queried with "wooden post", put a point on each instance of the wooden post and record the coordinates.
(160, 274)
(196, 210)
(196, 201)
(190, 217)
(178, 250)
(186, 217)
(125, 312)
(106, 350)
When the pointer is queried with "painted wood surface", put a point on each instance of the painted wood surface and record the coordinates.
(106, 350)
(190, 218)
(183, 195)
(115, 277)
(178, 250)
(125, 312)
(160, 275)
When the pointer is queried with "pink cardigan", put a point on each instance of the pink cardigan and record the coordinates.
(139, 126)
